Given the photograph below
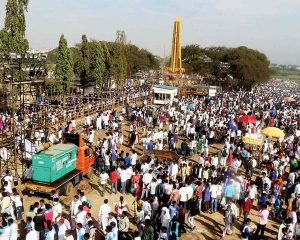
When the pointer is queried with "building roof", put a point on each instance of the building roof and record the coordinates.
(165, 87)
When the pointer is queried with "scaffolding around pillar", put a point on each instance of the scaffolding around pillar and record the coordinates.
(23, 106)
(175, 70)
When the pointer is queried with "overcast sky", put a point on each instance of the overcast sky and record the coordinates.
(271, 26)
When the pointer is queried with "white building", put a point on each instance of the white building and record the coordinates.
(164, 94)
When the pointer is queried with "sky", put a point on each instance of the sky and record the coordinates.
(270, 26)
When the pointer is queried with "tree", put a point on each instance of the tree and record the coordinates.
(97, 66)
(12, 36)
(64, 66)
(139, 60)
(245, 66)
(118, 62)
(195, 59)
(84, 61)
(108, 66)
(248, 66)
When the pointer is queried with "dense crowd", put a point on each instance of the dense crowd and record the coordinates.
(236, 180)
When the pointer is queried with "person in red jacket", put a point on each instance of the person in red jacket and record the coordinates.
(247, 205)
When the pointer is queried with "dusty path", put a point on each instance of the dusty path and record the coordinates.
(208, 226)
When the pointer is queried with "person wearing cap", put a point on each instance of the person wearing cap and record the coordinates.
(31, 233)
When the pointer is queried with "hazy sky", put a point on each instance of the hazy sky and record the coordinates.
(271, 26)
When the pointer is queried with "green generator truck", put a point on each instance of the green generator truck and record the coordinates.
(61, 166)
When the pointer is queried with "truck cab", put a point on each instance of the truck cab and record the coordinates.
(85, 158)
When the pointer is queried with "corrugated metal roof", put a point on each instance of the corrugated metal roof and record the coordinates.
(165, 87)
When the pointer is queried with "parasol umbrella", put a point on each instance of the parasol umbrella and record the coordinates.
(289, 99)
(273, 132)
(248, 119)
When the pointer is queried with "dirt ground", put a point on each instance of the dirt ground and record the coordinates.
(208, 226)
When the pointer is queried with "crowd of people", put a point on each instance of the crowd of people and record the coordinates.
(236, 179)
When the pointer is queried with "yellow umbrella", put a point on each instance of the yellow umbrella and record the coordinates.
(273, 132)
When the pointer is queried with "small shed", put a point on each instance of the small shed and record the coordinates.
(164, 94)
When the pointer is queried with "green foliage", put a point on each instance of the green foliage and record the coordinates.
(85, 59)
(97, 66)
(246, 66)
(64, 67)
(12, 36)
(98, 63)
(285, 73)
(118, 62)
(139, 60)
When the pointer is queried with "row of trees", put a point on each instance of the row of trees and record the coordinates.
(98, 63)
(12, 36)
(242, 66)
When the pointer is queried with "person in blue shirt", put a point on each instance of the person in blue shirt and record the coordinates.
(109, 233)
(114, 230)
(173, 210)
(127, 160)
(229, 191)
(150, 145)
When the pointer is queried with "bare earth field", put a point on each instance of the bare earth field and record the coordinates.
(208, 226)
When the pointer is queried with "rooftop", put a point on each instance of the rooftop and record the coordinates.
(165, 87)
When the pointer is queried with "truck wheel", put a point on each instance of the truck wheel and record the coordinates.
(90, 173)
(68, 188)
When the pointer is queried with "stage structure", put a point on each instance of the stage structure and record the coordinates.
(22, 101)
(175, 70)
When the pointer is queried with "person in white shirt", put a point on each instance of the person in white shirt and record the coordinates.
(13, 229)
(214, 194)
(152, 186)
(31, 233)
(123, 178)
(184, 194)
(9, 179)
(291, 177)
(57, 210)
(103, 180)
(18, 204)
(133, 159)
(80, 217)
(68, 235)
(147, 178)
(214, 161)
(104, 211)
(173, 170)
(62, 228)
(297, 189)
(236, 164)
(74, 209)
(252, 191)
(129, 172)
